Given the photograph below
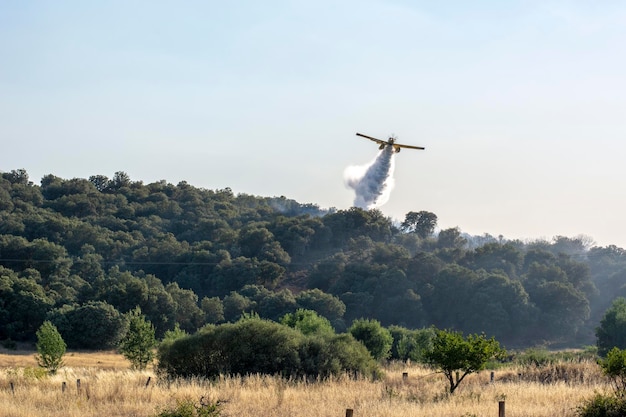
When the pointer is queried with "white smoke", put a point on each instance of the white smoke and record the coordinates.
(373, 182)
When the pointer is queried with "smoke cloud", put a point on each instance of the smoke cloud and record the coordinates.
(372, 183)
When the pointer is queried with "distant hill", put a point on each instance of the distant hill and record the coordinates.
(83, 251)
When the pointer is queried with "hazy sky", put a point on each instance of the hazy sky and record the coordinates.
(521, 105)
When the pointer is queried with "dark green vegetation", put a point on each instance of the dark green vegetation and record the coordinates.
(612, 330)
(82, 253)
(256, 346)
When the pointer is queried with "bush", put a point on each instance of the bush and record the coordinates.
(614, 366)
(603, 406)
(375, 337)
(324, 355)
(410, 344)
(188, 408)
(94, 325)
(253, 346)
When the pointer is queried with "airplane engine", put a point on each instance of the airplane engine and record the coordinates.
(382, 146)
(397, 149)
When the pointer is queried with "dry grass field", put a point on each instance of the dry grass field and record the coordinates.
(109, 388)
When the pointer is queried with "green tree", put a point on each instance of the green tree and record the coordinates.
(614, 366)
(213, 309)
(139, 342)
(456, 356)
(375, 337)
(324, 304)
(50, 347)
(307, 321)
(95, 325)
(612, 330)
(422, 223)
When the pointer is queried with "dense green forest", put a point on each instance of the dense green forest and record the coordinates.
(82, 252)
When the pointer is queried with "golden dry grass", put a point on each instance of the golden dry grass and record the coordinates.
(109, 388)
(103, 359)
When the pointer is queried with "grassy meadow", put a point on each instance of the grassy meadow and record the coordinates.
(109, 388)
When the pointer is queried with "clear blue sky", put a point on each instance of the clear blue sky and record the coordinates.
(520, 104)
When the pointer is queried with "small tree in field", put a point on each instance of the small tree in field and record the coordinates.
(456, 356)
(614, 366)
(139, 343)
(50, 347)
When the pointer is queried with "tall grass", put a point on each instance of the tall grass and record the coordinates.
(551, 390)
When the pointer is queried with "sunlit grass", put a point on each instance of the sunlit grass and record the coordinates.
(109, 388)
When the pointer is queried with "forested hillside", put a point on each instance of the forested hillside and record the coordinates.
(82, 252)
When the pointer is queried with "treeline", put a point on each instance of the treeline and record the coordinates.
(82, 252)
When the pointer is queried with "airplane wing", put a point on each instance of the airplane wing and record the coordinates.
(408, 146)
(379, 141)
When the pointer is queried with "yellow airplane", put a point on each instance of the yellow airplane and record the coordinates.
(389, 142)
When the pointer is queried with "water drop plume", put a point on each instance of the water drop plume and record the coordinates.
(372, 183)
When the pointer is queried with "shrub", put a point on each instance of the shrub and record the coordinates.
(323, 355)
(188, 408)
(375, 337)
(602, 406)
(614, 366)
(94, 325)
(307, 321)
(253, 345)
(410, 344)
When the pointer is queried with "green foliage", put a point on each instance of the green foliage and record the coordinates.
(253, 345)
(375, 337)
(307, 321)
(50, 347)
(410, 344)
(602, 405)
(456, 356)
(139, 342)
(612, 330)
(94, 325)
(188, 408)
(174, 334)
(422, 223)
(536, 357)
(57, 238)
(324, 304)
(328, 354)
(614, 366)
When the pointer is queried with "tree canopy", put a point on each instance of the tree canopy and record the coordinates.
(83, 251)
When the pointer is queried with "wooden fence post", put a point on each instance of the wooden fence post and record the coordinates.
(148, 381)
(501, 409)
(63, 386)
(12, 388)
(492, 376)
(78, 386)
(405, 376)
(349, 412)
